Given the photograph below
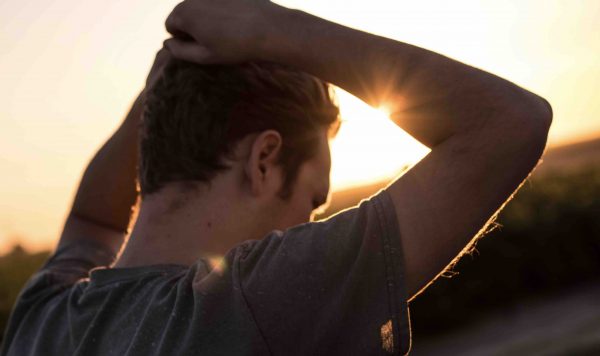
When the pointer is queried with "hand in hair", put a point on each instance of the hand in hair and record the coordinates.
(224, 31)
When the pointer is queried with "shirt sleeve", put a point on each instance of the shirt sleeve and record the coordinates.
(69, 263)
(331, 287)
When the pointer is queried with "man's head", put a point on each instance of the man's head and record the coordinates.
(199, 120)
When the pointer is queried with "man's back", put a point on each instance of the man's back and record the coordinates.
(332, 287)
(151, 310)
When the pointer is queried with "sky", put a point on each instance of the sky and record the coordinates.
(69, 71)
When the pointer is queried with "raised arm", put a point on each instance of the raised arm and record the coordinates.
(486, 133)
(107, 192)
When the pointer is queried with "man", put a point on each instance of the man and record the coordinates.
(221, 174)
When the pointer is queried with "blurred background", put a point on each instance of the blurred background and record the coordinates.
(70, 70)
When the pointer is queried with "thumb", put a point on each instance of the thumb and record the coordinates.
(188, 51)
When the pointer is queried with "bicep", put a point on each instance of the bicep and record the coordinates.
(445, 200)
(79, 228)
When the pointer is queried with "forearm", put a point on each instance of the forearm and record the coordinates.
(432, 97)
(107, 191)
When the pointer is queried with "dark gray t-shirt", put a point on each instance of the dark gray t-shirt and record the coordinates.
(334, 287)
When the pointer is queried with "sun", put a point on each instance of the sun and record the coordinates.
(369, 146)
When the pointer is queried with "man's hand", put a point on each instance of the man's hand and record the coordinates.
(224, 31)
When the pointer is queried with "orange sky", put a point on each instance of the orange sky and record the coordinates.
(68, 71)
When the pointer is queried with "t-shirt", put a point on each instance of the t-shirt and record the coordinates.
(332, 287)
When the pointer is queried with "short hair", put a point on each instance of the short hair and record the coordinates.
(195, 115)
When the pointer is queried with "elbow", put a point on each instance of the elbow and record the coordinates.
(545, 115)
(533, 112)
(542, 118)
(532, 126)
(524, 126)
(549, 115)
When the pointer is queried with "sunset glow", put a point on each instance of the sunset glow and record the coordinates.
(369, 146)
(69, 71)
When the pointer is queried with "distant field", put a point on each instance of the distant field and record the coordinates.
(564, 324)
(569, 157)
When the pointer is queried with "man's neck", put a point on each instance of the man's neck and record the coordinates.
(175, 228)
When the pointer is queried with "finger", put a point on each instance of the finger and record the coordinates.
(188, 51)
(175, 23)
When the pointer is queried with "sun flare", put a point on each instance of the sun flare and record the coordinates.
(369, 146)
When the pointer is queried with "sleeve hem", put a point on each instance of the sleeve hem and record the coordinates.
(77, 256)
(394, 267)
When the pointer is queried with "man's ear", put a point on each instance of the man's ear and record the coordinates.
(261, 167)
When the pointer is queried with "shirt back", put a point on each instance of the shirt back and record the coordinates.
(325, 288)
